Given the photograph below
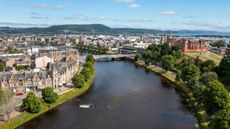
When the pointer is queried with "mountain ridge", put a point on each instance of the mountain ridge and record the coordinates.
(102, 29)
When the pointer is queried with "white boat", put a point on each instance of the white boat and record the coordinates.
(85, 105)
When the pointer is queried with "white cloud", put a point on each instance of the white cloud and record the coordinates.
(134, 5)
(209, 26)
(169, 13)
(131, 3)
(16, 24)
(43, 6)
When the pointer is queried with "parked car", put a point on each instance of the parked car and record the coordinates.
(19, 94)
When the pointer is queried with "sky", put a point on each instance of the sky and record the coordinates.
(149, 14)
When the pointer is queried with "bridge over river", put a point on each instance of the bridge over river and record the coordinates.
(114, 57)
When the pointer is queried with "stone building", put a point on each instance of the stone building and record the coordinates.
(188, 45)
(56, 74)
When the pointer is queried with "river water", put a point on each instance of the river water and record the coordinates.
(123, 97)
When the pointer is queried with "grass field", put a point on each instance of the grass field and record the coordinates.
(207, 56)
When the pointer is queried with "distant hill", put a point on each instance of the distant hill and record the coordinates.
(102, 29)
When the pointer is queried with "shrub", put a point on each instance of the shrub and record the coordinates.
(78, 80)
(49, 96)
(31, 103)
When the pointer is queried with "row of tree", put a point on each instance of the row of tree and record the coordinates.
(97, 49)
(86, 73)
(33, 104)
(201, 78)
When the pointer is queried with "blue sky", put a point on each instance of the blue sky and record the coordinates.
(157, 14)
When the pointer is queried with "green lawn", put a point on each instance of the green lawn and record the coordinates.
(24, 117)
(209, 56)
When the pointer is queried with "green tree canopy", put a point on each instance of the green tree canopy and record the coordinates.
(190, 74)
(78, 80)
(90, 66)
(215, 97)
(137, 56)
(208, 77)
(223, 70)
(208, 66)
(168, 62)
(31, 103)
(89, 58)
(86, 73)
(165, 49)
(221, 120)
(48, 95)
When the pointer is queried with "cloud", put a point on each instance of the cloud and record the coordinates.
(35, 15)
(169, 13)
(43, 6)
(39, 17)
(131, 3)
(15, 24)
(141, 20)
(134, 5)
(209, 26)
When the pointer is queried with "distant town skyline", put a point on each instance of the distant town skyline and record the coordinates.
(155, 14)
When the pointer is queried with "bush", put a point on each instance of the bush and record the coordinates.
(49, 96)
(223, 70)
(221, 120)
(215, 97)
(78, 80)
(31, 103)
(85, 72)
(90, 58)
(208, 77)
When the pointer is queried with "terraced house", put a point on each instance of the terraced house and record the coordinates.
(55, 75)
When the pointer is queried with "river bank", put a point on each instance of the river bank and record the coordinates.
(24, 117)
(199, 111)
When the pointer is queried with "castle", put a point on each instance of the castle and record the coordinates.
(188, 45)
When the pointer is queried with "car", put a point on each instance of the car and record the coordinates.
(19, 94)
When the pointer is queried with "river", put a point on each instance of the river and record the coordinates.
(123, 97)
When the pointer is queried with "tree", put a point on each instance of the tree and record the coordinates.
(31, 103)
(147, 62)
(86, 73)
(153, 47)
(215, 97)
(7, 103)
(89, 58)
(90, 66)
(223, 70)
(208, 66)
(168, 62)
(208, 77)
(78, 80)
(221, 120)
(185, 62)
(48, 95)
(190, 74)
(218, 44)
(197, 61)
(178, 76)
(137, 56)
(2, 67)
(165, 50)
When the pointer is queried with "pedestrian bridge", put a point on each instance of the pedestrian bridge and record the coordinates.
(114, 57)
